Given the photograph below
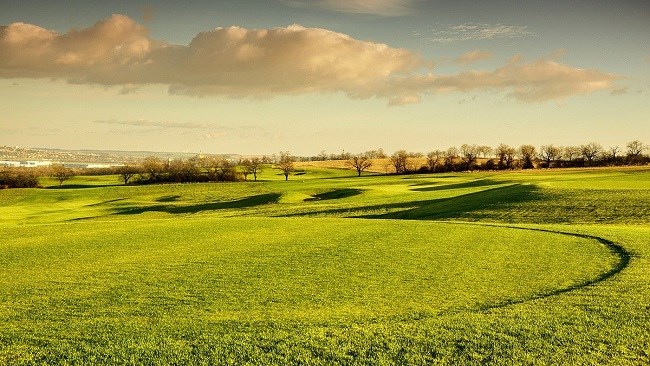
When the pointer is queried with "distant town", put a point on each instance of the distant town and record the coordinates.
(13, 156)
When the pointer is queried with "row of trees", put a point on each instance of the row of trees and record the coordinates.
(28, 177)
(467, 157)
(481, 157)
(196, 169)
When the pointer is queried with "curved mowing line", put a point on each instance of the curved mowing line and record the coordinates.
(617, 249)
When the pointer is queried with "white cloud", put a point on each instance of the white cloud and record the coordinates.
(476, 31)
(263, 63)
(537, 81)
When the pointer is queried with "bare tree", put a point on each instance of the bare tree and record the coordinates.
(451, 154)
(255, 167)
(433, 157)
(634, 150)
(153, 167)
(183, 171)
(127, 172)
(322, 156)
(591, 151)
(360, 162)
(251, 166)
(399, 159)
(375, 154)
(61, 173)
(245, 168)
(469, 154)
(527, 154)
(285, 164)
(506, 156)
(571, 152)
(484, 151)
(549, 154)
(225, 170)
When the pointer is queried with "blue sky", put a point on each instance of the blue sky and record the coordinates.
(412, 74)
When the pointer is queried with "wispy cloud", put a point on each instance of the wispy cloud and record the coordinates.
(387, 8)
(473, 57)
(477, 31)
(264, 63)
(147, 123)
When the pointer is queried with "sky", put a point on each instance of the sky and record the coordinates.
(258, 77)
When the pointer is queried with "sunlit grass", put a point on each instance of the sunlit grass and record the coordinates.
(278, 272)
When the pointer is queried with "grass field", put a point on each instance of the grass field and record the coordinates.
(543, 267)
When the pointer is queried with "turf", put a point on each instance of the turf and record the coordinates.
(520, 267)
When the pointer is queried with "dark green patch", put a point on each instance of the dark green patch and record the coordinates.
(168, 199)
(470, 184)
(336, 194)
(257, 200)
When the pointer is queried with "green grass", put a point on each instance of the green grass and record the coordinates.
(544, 267)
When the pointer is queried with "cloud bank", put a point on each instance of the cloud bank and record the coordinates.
(263, 63)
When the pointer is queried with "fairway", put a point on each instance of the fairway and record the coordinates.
(252, 270)
(331, 268)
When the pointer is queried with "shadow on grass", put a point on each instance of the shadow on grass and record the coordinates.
(257, 200)
(105, 202)
(81, 186)
(168, 199)
(335, 194)
(470, 184)
(443, 208)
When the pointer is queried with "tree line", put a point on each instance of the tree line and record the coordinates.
(482, 157)
(466, 158)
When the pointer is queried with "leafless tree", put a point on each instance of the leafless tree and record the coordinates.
(591, 151)
(152, 168)
(245, 167)
(451, 154)
(251, 166)
(469, 154)
(549, 154)
(127, 172)
(375, 154)
(433, 157)
(360, 162)
(183, 171)
(613, 151)
(635, 148)
(506, 155)
(61, 173)
(285, 164)
(484, 151)
(399, 160)
(571, 152)
(527, 154)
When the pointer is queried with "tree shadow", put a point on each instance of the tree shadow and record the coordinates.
(257, 200)
(470, 184)
(443, 208)
(464, 205)
(168, 199)
(335, 194)
(80, 186)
